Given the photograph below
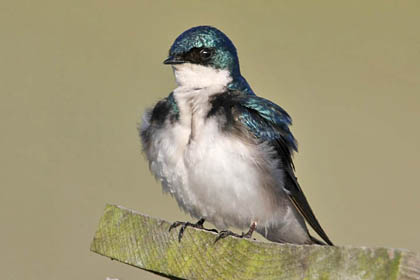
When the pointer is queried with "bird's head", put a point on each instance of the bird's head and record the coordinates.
(203, 55)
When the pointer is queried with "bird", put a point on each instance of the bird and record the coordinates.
(224, 153)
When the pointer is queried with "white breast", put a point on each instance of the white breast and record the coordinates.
(211, 175)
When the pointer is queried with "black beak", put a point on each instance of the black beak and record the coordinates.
(173, 60)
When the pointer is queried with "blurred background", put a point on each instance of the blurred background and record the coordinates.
(76, 76)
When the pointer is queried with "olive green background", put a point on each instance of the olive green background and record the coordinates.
(75, 77)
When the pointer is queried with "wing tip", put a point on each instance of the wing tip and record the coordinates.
(326, 241)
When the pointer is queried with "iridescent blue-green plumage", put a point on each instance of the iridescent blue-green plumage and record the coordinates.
(272, 122)
(225, 56)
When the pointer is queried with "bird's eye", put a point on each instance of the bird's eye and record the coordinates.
(205, 54)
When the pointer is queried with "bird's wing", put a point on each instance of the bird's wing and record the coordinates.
(270, 123)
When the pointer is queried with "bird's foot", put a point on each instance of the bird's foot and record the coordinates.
(184, 225)
(226, 233)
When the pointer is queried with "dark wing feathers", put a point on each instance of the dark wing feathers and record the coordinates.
(299, 200)
(269, 122)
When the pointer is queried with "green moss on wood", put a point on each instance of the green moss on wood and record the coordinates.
(145, 242)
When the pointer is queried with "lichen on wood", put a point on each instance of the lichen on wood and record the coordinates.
(144, 242)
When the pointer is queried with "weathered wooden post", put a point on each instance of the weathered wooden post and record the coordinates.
(144, 242)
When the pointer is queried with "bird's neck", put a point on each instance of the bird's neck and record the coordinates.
(194, 76)
(191, 77)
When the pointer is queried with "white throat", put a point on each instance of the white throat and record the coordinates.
(194, 76)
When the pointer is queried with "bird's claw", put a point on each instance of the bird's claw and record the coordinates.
(184, 225)
(226, 233)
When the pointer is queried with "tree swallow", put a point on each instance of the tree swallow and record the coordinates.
(222, 152)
